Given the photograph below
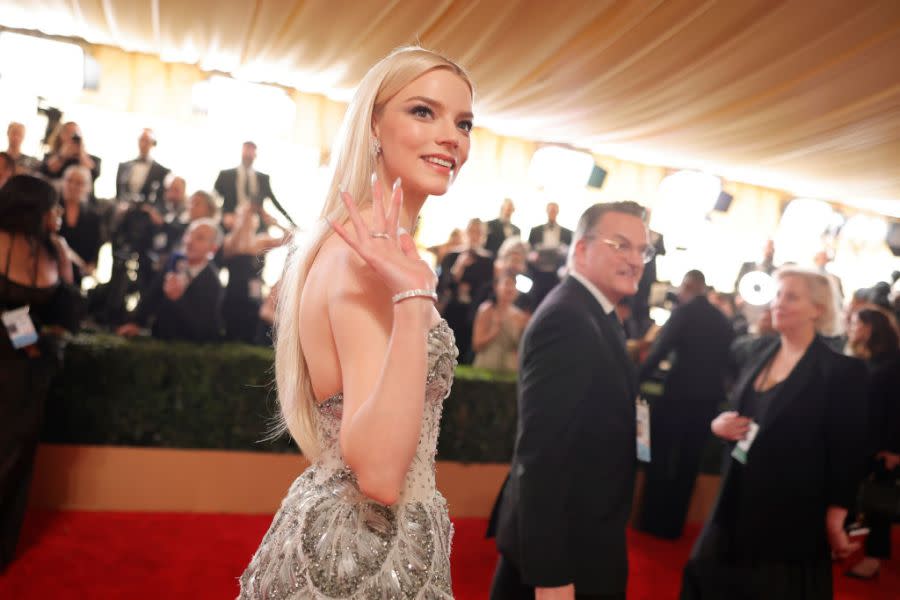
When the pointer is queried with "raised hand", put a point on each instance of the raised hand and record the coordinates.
(392, 255)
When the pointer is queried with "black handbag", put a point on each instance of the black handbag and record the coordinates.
(880, 495)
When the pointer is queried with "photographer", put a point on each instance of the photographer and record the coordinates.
(67, 150)
(184, 302)
(80, 224)
(462, 273)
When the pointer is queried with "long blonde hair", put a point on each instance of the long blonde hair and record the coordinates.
(353, 163)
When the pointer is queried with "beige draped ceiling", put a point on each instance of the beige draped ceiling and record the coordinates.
(801, 95)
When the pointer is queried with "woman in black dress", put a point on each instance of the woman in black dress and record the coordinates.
(784, 499)
(34, 272)
(872, 337)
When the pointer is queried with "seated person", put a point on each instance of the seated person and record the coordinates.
(498, 327)
(184, 301)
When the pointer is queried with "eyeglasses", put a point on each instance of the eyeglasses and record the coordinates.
(646, 253)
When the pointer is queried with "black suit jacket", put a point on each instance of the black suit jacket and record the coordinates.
(536, 236)
(195, 317)
(153, 189)
(884, 402)
(496, 235)
(561, 515)
(809, 454)
(226, 186)
(701, 336)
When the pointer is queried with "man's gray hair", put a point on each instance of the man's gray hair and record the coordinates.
(592, 215)
(207, 222)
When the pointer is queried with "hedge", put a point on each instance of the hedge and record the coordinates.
(143, 392)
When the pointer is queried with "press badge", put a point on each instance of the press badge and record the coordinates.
(19, 327)
(642, 410)
(743, 447)
(160, 240)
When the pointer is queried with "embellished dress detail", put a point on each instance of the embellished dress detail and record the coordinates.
(329, 541)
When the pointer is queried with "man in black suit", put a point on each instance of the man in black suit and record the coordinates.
(550, 244)
(501, 228)
(561, 515)
(142, 178)
(245, 184)
(184, 302)
(700, 337)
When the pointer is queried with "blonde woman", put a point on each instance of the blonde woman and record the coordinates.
(798, 436)
(363, 361)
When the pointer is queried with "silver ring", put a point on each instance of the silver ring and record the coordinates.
(379, 234)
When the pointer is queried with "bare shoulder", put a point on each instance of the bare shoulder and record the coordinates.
(485, 307)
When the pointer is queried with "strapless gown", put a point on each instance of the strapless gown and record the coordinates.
(329, 541)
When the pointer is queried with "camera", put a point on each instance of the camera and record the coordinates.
(54, 116)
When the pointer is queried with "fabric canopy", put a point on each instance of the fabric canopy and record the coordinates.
(796, 94)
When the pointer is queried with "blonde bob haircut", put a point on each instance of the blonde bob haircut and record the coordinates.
(823, 294)
(352, 165)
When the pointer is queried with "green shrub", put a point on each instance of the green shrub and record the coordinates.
(144, 392)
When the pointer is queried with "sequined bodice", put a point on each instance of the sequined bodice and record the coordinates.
(328, 540)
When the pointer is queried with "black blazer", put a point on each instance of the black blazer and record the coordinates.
(809, 454)
(536, 236)
(884, 402)
(700, 335)
(561, 515)
(476, 275)
(496, 235)
(153, 189)
(195, 317)
(226, 186)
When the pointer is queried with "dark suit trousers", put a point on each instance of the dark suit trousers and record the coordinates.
(507, 585)
(676, 445)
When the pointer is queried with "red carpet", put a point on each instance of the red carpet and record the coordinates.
(138, 556)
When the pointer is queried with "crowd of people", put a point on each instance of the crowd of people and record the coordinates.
(162, 240)
(811, 410)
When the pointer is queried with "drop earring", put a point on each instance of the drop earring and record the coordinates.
(376, 145)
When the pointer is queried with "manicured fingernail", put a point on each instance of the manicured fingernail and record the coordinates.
(402, 231)
(397, 184)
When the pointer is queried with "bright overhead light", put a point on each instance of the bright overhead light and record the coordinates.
(555, 167)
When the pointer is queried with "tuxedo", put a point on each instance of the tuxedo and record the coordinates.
(544, 271)
(195, 317)
(153, 187)
(560, 517)
(700, 337)
(537, 234)
(496, 234)
(227, 187)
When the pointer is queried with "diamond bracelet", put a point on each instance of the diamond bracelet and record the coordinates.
(413, 293)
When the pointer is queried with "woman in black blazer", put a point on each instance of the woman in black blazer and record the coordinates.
(783, 501)
(872, 337)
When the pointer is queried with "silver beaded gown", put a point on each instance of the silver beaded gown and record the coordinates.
(329, 541)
